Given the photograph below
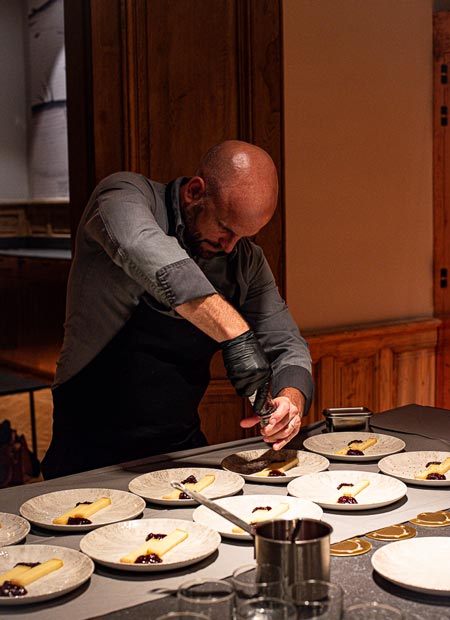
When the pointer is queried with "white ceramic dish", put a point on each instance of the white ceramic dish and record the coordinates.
(77, 568)
(42, 509)
(13, 529)
(328, 444)
(243, 505)
(154, 485)
(419, 564)
(244, 463)
(108, 544)
(322, 489)
(404, 466)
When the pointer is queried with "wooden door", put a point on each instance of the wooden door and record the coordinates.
(441, 167)
(152, 84)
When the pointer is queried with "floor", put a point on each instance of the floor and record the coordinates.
(16, 409)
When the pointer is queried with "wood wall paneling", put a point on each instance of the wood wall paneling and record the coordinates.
(379, 367)
(441, 200)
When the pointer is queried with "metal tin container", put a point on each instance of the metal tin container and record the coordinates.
(347, 419)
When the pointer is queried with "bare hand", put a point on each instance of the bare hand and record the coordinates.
(284, 424)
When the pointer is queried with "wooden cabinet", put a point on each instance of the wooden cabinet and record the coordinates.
(33, 292)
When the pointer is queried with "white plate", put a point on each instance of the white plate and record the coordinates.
(243, 506)
(329, 443)
(42, 509)
(154, 485)
(76, 569)
(419, 564)
(404, 466)
(322, 489)
(243, 463)
(111, 542)
(13, 529)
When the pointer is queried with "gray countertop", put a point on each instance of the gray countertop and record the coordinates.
(118, 595)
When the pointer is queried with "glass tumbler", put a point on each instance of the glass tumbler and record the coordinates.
(265, 608)
(255, 580)
(211, 597)
(372, 611)
(317, 599)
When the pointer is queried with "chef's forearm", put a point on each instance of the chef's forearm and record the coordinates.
(214, 316)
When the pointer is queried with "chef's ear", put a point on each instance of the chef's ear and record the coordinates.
(195, 188)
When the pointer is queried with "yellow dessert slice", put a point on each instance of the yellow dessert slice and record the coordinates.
(351, 491)
(204, 482)
(442, 468)
(36, 572)
(157, 546)
(283, 466)
(263, 515)
(355, 445)
(13, 573)
(83, 511)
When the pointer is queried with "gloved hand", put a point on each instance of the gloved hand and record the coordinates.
(246, 364)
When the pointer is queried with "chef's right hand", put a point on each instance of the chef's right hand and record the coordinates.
(246, 364)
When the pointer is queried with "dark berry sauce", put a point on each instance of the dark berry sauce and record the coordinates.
(355, 441)
(433, 463)
(81, 503)
(190, 480)
(352, 452)
(11, 590)
(436, 476)
(156, 536)
(345, 484)
(29, 564)
(276, 472)
(262, 508)
(346, 499)
(78, 521)
(149, 558)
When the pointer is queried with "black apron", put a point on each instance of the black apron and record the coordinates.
(137, 398)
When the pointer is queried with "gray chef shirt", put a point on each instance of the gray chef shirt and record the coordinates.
(123, 252)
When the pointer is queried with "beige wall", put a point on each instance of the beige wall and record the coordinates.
(358, 144)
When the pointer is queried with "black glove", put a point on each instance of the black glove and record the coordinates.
(246, 364)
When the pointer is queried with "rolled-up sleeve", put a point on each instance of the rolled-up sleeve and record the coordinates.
(123, 223)
(277, 331)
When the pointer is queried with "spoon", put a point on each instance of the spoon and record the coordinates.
(201, 499)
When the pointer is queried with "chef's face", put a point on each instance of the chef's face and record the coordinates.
(208, 233)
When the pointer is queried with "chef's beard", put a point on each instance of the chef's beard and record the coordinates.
(198, 245)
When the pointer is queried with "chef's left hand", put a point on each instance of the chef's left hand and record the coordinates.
(285, 421)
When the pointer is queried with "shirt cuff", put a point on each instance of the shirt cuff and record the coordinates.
(183, 281)
(296, 377)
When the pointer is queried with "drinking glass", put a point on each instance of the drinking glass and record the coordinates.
(317, 599)
(256, 580)
(210, 597)
(373, 611)
(265, 608)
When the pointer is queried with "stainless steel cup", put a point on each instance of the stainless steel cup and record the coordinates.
(300, 547)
